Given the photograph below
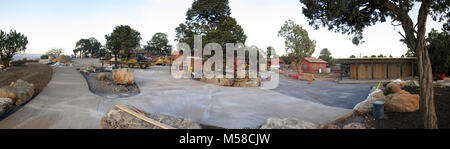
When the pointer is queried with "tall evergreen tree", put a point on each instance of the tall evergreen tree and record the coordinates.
(212, 20)
(122, 41)
(297, 42)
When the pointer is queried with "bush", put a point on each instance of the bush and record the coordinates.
(45, 56)
(19, 62)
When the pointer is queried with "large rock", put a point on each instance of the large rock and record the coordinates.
(90, 68)
(118, 119)
(62, 59)
(248, 83)
(355, 125)
(103, 76)
(287, 123)
(328, 126)
(123, 76)
(306, 77)
(402, 101)
(447, 79)
(442, 84)
(225, 81)
(5, 105)
(394, 87)
(20, 92)
(366, 106)
(218, 81)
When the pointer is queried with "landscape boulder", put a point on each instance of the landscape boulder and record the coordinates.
(19, 92)
(328, 126)
(366, 106)
(287, 123)
(248, 82)
(354, 125)
(62, 59)
(124, 76)
(402, 101)
(225, 81)
(118, 119)
(442, 84)
(218, 81)
(306, 77)
(394, 87)
(103, 76)
(88, 69)
(5, 105)
(447, 79)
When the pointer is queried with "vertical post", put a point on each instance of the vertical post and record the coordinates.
(401, 70)
(372, 71)
(357, 73)
(387, 70)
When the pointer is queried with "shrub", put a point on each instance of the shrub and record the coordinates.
(45, 56)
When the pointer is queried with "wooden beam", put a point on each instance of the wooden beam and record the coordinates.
(144, 118)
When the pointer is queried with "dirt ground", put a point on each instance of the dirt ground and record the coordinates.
(326, 76)
(412, 120)
(108, 89)
(38, 74)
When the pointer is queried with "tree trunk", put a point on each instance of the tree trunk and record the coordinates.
(425, 71)
(426, 88)
(418, 44)
(115, 60)
(6, 62)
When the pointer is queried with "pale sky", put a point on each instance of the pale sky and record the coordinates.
(60, 24)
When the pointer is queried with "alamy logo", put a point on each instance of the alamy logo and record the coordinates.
(238, 62)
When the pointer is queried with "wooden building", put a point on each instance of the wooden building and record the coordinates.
(314, 65)
(377, 68)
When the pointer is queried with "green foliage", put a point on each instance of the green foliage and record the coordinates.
(269, 52)
(297, 41)
(211, 19)
(45, 56)
(439, 50)
(286, 59)
(54, 52)
(208, 11)
(353, 16)
(10, 44)
(89, 46)
(122, 41)
(352, 56)
(380, 56)
(325, 55)
(373, 56)
(159, 45)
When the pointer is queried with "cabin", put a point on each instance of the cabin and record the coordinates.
(377, 68)
(314, 65)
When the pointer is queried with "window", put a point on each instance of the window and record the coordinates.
(315, 66)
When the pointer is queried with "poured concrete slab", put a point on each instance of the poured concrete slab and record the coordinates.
(68, 103)
(325, 92)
